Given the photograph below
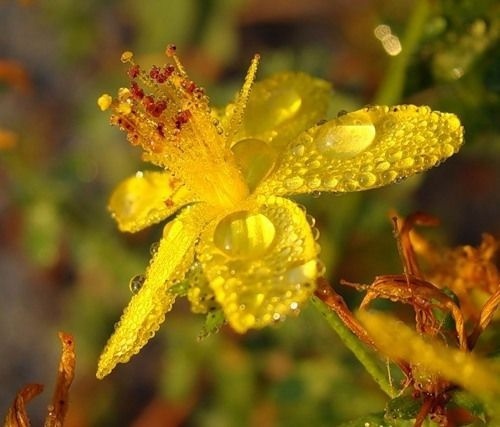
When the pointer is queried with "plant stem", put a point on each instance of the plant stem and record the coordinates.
(391, 89)
(351, 341)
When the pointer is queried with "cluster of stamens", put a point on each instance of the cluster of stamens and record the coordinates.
(158, 104)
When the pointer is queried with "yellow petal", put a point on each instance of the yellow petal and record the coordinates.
(147, 309)
(365, 149)
(147, 198)
(282, 106)
(260, 262)
(399, 342)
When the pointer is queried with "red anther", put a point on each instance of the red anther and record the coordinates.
(160, 129)
(190, 86)
(168, 70)
(134, 71)
(148, 101)
(161, 77)
(158, 108)
(153, 73)
(136, 91)
(170, 51)
(182, 118)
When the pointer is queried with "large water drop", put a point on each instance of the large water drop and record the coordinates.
(346, 136)
(256, 159)
(244, 234)
(136, 283)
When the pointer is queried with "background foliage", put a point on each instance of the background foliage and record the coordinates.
(64, 266)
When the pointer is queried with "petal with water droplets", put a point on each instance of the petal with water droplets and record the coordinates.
(146, 310)
(261, 262)
(282, 106)
(368, 148)
(147, 198)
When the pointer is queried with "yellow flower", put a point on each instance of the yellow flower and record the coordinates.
(239, 244)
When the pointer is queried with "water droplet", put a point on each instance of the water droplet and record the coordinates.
(453, 122)
(406, 163)
(136, 283)
(346, 137)
(382, 166)
(367, 179)
(389, 176)
(283, 105)
(153, 249)
(331, 181)
(294, 183)
(298, 150)
(310, 220)
(256, 159)
(315, 233)
(302, 273)
(394, 154)
(447, 150)
(316, 194)
(244, 234)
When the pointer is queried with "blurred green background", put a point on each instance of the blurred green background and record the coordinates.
(64, 265)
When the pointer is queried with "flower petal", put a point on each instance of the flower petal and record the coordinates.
(260, 262)
(147, 309)
(282, 106)
(368, 148)
(147, 198)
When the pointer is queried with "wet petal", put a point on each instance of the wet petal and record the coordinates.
(147, 309)
(260, 262)
(397, 341)
(282, 106)
(147, 198)
(365, 149)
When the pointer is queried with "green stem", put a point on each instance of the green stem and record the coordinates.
(366, 358)
(391, 89)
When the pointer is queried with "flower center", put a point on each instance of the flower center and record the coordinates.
(346, 137)
(244, 234)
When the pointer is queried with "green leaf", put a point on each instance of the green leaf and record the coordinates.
(403, 407)
(465, 400)
(213, 322)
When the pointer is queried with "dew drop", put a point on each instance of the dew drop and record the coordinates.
(382, 166)
(298, 150)
(294, 183)
(346, 137)
(367, 179)
(256, 159)
(331, 181)
(389, 176)
(406, 163)
(136, 283)
(283, 105)
(453, 122)
(310, 220)
(244, 234)
(447, 150)
(302, 273)
(153, 249)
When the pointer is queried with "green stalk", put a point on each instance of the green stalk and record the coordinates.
(366, 358)
(391, 89)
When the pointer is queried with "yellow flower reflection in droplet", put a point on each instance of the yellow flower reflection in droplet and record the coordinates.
(241, 245)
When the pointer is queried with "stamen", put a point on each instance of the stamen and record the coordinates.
(242, 100)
